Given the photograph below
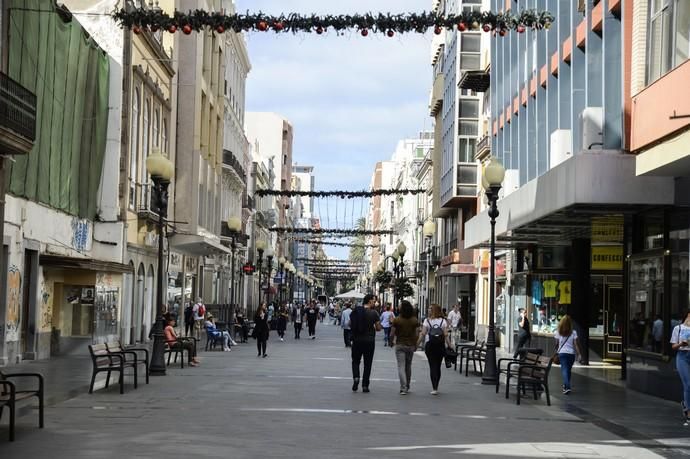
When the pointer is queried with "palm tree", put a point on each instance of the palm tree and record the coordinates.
(358, 251)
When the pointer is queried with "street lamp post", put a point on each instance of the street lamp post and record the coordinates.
(492, 181)
(235, 226)
(161, 170)
(269, 262)
(400, 270)
(260, 247)
(428, 230)
(282, 262)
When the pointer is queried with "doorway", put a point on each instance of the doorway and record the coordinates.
(28, 336)
(613, 317)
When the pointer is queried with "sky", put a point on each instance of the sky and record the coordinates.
(350, 99)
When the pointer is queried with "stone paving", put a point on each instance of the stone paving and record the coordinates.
(297, 403)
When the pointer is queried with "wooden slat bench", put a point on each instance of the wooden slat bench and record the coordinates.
(104, 360)
(511, 367)
(131, 354)
(10, 394)
(536, 377)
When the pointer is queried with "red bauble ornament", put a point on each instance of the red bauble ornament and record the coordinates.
(136, 30)
(262, 26)
(172, 28)
(438, 30)
(278, 26)
(390, 33)
(520, 29)
(319, 30)
(186, 29)
(220, 29)
(486, 28)
(462, 27)
(364, 32)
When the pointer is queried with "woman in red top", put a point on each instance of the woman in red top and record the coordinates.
(173, 342)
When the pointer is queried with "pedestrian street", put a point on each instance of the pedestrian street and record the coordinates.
(298, 403)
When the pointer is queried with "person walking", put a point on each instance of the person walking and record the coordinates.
(261, 330)
(524, 332)
(345, 324)
(281, 324)
(404, 336)
(455, 320)
(680, 342)
(386, 317)
(436, 337)
(188, 319)
(567, 348)
(297, 315)
(312, 316)
(199, 317)
(364, 323)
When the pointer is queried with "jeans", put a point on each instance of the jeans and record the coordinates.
(386, 336)
(523, 339)
(362, 349)
(567, 361)
(683, 367)
(298, 329)
(404, 354)
(347, 337)
(189, 346)
(435, 357)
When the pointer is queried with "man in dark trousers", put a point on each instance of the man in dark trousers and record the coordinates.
(524, 332)
(364, 323)
(312, 316)
(297, 314)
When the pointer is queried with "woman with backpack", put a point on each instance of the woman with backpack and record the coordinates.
(567, 349)
(680, 339)
(436, 338)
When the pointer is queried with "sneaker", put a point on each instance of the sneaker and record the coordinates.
(355, 385)
(566, 391)
(233, 343)
(282, 339)
(365, 389)
(265, 355)
(434, 392)
(403, 392)
(313, 337)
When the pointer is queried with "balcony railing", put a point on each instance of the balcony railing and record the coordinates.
(17, 108)
(483, 146)
(230, 160)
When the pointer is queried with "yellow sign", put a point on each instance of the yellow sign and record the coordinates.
(607, 229)
(607, 257)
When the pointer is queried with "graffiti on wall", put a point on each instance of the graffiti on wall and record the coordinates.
(46, 305)
(14, 295)
(80, 234)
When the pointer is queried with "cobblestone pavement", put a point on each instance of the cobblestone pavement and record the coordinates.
(298, 403)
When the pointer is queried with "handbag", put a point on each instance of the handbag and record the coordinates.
(556, 359)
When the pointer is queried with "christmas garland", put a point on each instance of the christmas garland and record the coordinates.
(344, 232)
(338, 244)
(340, 194)
(154, 19)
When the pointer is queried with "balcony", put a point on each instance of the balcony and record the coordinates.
(17, 117)
(141, 200)
(227, 237)
(476, 80)
(437, 95)
(248, 202)
(230, 162)
(483, 148)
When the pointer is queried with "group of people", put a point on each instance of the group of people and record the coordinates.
(299, 313)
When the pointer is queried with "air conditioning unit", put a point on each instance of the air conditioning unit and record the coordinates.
(561, 147)
(511, 182)
(592, 126)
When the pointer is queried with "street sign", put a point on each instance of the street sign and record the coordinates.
(248, 269)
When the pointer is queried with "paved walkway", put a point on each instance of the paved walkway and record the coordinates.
(298, 403)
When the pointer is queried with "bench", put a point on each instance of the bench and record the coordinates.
(512, 364)
(179, 350)
(463, 349)
(10, 394)
(536, 377)
(212, 341)
(475, 355)
(130, 354)
(104, 360)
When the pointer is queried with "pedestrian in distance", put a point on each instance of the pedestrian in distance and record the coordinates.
(455, 321)
(297, 316)
(680, 342)
(524, 332)
(199, 317)
(261, 330)
(567, 349)
(364, 323)
(436, 337)
(188, 319)
(386, 317)
(404, 332)
(345, 324)
(312, 316)
(281, 324)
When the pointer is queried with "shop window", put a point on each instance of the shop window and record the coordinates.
(650, 229)
(646, 303)
(552, 257)
(679, 244)
(551, 295)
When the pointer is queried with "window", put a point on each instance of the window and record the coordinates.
(164, 136)
(134, 148)
(466, 149)
(668, 36)
(470, 46)
(156, 128)
(145, 139)
(468, 117)
(646, 302)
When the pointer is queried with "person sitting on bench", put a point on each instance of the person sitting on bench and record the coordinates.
(213, 331)
(175, 343)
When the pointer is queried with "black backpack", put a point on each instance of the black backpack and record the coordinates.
(436, 334)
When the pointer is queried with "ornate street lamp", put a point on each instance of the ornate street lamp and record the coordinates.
(399, 270)
(282, 262)
(161, 170)
(260, 247)
(235, 226)
(492, 181)
(269, 259)
(428, 230)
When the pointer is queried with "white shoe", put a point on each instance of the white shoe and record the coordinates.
(227, 349)
(233, 343)
(434, 392)
(282, 339)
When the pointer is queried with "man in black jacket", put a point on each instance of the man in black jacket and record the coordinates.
(364, 323)
(297, 315)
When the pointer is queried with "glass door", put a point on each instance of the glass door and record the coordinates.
(613, 342)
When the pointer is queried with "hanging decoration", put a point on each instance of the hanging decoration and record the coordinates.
(335, 244)
(388, 24)
(339, 194)
(343, 232)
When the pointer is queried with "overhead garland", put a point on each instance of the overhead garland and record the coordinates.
(344, 232)
(155, 19)
(339, 194)
(337, 244)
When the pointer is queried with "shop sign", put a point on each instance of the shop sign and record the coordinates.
(457, 268)
(175, 262)
(607, 258)
(607, 229)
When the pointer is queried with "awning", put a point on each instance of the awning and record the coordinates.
(63, 262)
(559, 205)
(196, 245)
